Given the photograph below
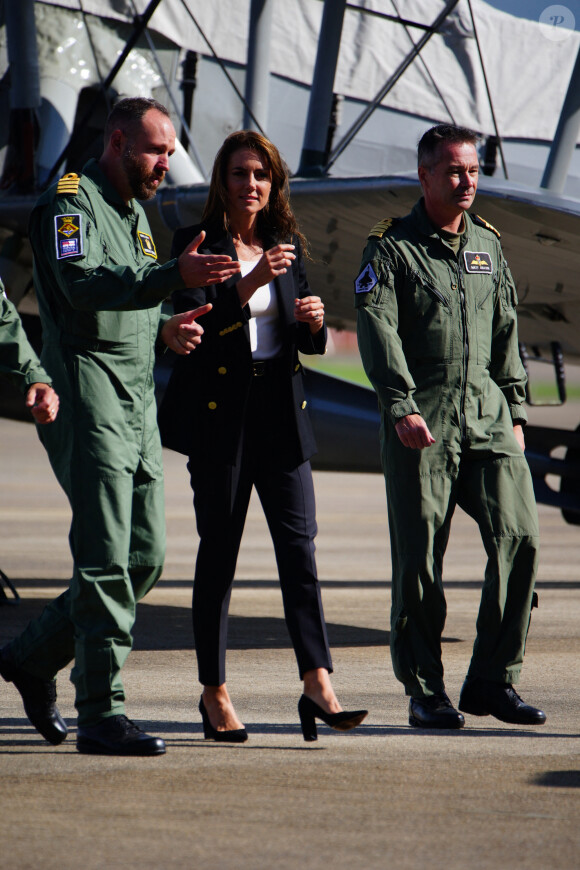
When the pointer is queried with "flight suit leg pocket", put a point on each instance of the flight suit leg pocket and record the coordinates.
(401, 652)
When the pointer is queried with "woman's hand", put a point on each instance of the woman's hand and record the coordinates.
(310, 310)
(272, 263)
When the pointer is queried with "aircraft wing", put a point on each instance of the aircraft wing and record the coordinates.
(539, 235)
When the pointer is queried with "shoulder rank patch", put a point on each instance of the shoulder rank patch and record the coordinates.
(366, 281)
(147, 245)
(483, 223)
(69, 183)
(478, 262)
(68, 235)
(379, 230)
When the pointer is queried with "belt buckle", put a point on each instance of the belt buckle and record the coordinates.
(259, 368)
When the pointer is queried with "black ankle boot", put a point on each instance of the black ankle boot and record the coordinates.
(39, 698)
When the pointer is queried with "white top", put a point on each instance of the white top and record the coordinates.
(264, 324)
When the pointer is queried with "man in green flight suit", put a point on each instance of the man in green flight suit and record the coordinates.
(100, 288)
(437, 334)
(20, 364)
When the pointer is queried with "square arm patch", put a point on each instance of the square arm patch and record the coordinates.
(147, 245)
(68, 235)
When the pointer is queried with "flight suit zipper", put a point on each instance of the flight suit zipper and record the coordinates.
(461, 287)
(419, 280)
(437, 295)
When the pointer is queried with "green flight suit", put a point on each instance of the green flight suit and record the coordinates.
(437, 334)
(18, 360)
(99, 290)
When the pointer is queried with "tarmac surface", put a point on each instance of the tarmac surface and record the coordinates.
(383, 796)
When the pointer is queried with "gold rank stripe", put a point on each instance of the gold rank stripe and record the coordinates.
(483, 223)
(379, 230)
(69, 183)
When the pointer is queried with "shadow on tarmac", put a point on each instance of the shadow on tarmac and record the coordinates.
(244, 632)
(191, 734)
(558, 779)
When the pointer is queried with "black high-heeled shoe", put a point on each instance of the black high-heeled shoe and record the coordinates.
(235, 735)
(308, 710)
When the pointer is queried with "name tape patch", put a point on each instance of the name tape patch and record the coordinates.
(478, 262)
(68, 235)
(147, 245)
(366, 281)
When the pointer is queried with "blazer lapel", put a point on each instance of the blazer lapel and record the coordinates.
(285, 293)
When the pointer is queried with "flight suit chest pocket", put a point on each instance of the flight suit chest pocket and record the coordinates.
(426, 322)
(119, 244)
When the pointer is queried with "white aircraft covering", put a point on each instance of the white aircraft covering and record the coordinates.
(528, 64)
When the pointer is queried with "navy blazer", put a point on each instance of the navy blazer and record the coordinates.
(202, 413)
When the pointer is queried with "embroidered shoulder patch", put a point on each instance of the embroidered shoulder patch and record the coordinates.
(68, 235)
(379, 230)
(366, 281)
(478, 262)
(483, 223)
(69, 183)
(147, 245)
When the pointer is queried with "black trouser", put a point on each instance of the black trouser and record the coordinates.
(221, 497)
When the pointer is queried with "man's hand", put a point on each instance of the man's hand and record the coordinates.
(181, 332)
(43, 402)
(199, 270)
(413, 432)
(519, 433)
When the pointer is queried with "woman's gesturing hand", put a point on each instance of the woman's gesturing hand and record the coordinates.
(310, 310)
(276, 261)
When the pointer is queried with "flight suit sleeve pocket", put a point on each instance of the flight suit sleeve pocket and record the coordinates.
(508, 292)
(373, 283)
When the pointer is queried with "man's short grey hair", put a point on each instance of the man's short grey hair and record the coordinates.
(442, 134)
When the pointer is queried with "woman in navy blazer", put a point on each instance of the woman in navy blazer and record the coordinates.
(237, 408)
